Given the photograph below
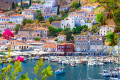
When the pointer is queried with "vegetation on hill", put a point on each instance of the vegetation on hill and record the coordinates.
(37, 39)
(78, 29)
(39, 16)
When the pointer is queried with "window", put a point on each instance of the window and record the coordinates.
(37, 34)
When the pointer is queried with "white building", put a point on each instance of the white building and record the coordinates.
(10, 26)
(50, 3)
(29, 14)
(4, 19)
(62, 38)
(50, 47)
(3, 15)
(104, 30)
(18, 45)
(79, 18)
(88, 7)
(35, 44)
(17, 19)
(35, 6)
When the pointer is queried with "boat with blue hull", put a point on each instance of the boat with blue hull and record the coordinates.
(60, 70)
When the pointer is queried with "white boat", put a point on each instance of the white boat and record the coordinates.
(65, 62)
(60, 61)
(115, 78)
(73, 64)
(110, 73)
(90, 63)
(60, 70)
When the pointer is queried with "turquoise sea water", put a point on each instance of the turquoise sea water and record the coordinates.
(72, 73)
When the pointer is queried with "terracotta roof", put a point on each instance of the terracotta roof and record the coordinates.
(20, 43)
(15, 41)
(75, 15)
(5, 17)
(19, 36)
(64, 43)
(34, 3)
(56, 22)
(91, 13)
(34, 41)
(40, 28)
(26, 9)
(1, 39)
(107, 26)
(50, 46)
(17, 15)
(87, 5)
(83, 10)
(24, 2)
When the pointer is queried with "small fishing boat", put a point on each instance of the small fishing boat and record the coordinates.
(54, 60)
(65, 62)
(115, 78)
(25, 60)
(37, 57)
(73, 64)
(60, 62)
(60, 70)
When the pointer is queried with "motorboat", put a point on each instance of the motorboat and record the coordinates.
(115, 78)
(65, 62)
(73, 64)
(54, 60)
(60, 70)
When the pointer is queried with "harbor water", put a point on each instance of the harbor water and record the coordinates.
(80, 72)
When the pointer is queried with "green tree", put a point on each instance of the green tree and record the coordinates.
(52, 31)
(111, 40)
(78, 29)
(100, 18)
(75, 4)
(13, 5)
(43, 2)
(27, 7)
(39, 16)
(60, 29)
(37, 39)
(17, 28)
(117, 16)
(51, 19)
(29, 21)
(16, 71)
(68, 33)
(47, 73)
(109, 5)
(10, 22)
(24, 77)
(38, 70)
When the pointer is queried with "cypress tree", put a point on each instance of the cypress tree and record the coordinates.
(21, 4)
(79, 3)
(58, 12)
(13, 6)
(30, 2)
